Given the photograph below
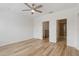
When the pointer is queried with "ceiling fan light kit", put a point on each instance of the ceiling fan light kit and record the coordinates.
(32, 10)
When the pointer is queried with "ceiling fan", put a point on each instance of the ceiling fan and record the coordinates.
(33, 8)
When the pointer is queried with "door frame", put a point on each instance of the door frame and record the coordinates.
(57, 28)
(43, 28)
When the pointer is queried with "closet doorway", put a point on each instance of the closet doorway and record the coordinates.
(62, 30)
(46, 30)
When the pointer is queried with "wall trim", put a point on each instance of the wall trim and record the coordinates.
(11, 42)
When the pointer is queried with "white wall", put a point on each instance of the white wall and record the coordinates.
(78, 32)
(37, 32)
(77, 27)
(70, 15)
(14, 27)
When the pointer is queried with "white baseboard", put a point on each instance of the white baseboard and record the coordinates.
(11, 42)
(74, 46)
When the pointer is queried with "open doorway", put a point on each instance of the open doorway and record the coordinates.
(46, 30)
(62, 31)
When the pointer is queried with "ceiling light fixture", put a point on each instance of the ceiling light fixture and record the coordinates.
(32, 10)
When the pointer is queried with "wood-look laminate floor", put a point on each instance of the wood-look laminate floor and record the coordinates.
(36, 47)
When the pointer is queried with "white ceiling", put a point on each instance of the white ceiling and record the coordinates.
(47, 7)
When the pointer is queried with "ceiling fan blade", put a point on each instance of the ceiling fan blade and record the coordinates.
(33, 4)
(38, 6)
(26, 10)
(38, 11)
(28, 5)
